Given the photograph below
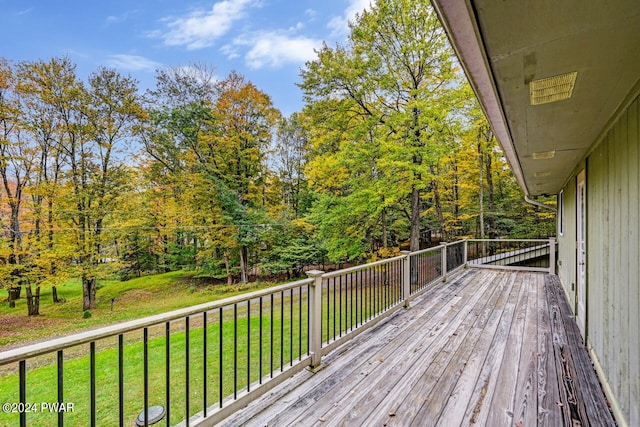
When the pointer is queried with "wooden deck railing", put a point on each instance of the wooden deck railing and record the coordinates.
(202, 363)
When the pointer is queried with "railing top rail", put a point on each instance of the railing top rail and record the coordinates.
(423, 251)
(443, 245)
(457, 242)
(362, 267)
(38, 349)
(510, 240)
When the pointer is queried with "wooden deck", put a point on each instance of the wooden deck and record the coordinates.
(487, 348)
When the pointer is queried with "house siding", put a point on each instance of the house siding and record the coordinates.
(613, 259)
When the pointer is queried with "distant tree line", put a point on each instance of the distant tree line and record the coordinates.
(390, 151)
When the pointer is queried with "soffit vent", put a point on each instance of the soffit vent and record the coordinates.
(542, 174)
(539, 155)
(552, 89)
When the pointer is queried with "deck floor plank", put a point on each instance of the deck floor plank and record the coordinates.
(526, 392)
(454, 411)
(401, 370)
(451, 365)
(348, 372)
(549, 409)
(489, 347)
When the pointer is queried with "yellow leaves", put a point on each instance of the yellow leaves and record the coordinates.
(327, 173)
(305, 225)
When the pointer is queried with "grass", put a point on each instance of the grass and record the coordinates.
(283, 338)
(264, 340)
(133, 299)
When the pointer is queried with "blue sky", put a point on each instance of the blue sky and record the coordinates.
(267, 41)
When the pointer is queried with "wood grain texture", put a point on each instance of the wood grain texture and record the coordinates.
(487, 348)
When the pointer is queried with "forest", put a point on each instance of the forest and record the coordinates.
(391, 151)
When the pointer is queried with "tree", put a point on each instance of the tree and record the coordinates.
(211, 141)
(83, 133)
(291, 155)
(14, 174)
(246, 119)
(396, 81)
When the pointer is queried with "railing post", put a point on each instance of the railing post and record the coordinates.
(552, 255)
(465, 252)
(315, 318)
(406, 278)
(444, 261)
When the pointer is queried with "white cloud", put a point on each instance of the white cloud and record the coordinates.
(311, 13)
(339, 25)
(114, 19)
(132, 63)
(202, 28)
(276, 48)
(24, 11)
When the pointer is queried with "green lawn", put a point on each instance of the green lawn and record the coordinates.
(284, 338)
(133, 299)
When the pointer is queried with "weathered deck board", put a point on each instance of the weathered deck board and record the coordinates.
(548, 395)
(454, 412)
(487, 348)
(587, 405)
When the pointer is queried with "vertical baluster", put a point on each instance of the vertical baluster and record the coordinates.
(23, 391)
(120, 379)
(187, 366)
(351, 301)
(396, 286)
(220, 358)
(61, 390)
(167, 372)
(300, 324)
(291, 326)
(281, 331)
(248, 345)
(271, 341)
(260, 349)
(204, 363)
(379, 287)
(357, 285)
(327, 327)
(308, 320)
(372, 277)
(92, 362)
(340, 305)
(235, 351)
(334, 308)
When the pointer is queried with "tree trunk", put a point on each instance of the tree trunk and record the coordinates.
(228, 269)
(414, 235)
(492, 206)
(456, 194)
(33, 302)
(54, 293)
(384, 228)
(481, 194)
(243, 265)
(438, 204)
(89, 292)
(14, 294)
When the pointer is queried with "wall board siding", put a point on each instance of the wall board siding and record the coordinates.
(633, 349)
(613, 258)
